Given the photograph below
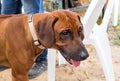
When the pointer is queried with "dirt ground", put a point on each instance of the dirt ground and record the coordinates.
(89, 70)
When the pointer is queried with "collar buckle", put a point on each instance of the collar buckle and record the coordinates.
(33, 33)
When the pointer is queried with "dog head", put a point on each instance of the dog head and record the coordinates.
(63, 30)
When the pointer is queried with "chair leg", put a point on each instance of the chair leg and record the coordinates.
(51, 64)
(115, 13)
(61, 59)
(104, 55)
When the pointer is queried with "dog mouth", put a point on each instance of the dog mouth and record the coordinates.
(75, 63)
(71, 61)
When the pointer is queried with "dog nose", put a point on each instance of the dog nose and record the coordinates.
(84, 55)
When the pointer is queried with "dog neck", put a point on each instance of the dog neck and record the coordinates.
(33, 33)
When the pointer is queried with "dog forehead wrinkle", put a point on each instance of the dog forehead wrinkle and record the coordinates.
(62, 25)
(59, 15)
(73, 23)
(66, 17)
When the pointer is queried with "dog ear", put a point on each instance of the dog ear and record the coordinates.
(46, 30)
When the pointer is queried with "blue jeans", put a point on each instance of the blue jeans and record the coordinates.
(11, 7)
(15, 7)
(30, 6)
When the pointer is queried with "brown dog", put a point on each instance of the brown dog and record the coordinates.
(60, 30)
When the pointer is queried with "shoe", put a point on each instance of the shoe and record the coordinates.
(3, 68)
(37, 69)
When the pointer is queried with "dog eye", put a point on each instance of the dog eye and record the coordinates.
(65, 34)
(80, 30)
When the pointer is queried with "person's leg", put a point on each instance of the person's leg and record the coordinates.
(11, 7)
(40, 65)
(41, 7)
(42, 56)
(0, 6)
(30, 6)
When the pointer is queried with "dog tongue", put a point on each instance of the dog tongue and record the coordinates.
(75, 63)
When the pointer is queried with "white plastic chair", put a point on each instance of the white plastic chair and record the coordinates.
(95, 35)
(115, 12)
(51, 64)
(99, 38)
